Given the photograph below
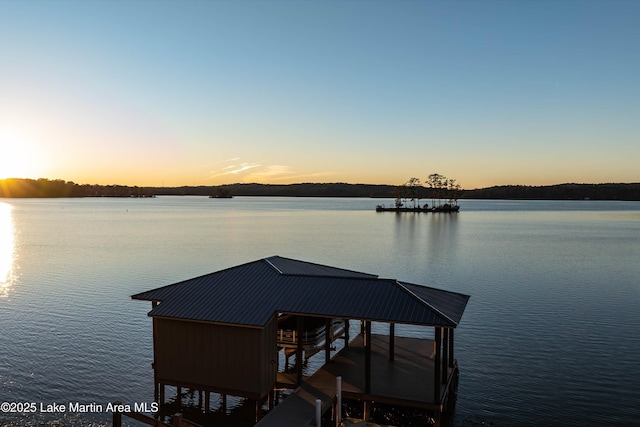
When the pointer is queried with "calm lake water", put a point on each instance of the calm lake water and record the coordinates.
(550, 335)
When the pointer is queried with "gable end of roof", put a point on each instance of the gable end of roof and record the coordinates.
(425, 303)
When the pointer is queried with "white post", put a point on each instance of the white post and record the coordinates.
(318, 412)
(339, 403)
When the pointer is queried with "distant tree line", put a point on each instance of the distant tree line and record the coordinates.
(285, 190)
(437, 188)
(39, 188)
(610, 191)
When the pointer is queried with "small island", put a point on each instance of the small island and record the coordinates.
(443, 208)
(221, 193)
(443, 192)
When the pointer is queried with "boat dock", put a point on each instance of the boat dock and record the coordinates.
(223, 332)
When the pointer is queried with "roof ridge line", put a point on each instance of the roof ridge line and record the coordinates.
(322, 276)
(202, 276)
(413, 294)
(273, 266)
(347, 270)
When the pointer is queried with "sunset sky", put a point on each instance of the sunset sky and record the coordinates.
(211, 92)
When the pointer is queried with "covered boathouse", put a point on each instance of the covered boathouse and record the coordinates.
(222, 333)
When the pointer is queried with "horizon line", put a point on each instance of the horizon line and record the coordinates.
(314, 183)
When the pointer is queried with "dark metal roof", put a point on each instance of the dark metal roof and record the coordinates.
(249, 294)
(290, 266)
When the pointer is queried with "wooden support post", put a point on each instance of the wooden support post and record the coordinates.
(334, 414)
(346, 333)
(392, 341)
(366, 411)
(437, 368)
(161, 394)
(271, 397)
(327, 340)
(451, 358)
(176, 420)
(257, 409)
(362, 327)
(178, 394)
(117, 416)
(367, 357)
(207, 401)
(200, 400)
(445, 355)
(224, 403)
(156, 389)
(437, 419)
(338, 400)
(300, 329)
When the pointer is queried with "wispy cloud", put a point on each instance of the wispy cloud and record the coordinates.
(262, 173)
(269, 173)
(234, 169)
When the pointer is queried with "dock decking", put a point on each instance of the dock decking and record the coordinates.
(406, 381)
(298, 409)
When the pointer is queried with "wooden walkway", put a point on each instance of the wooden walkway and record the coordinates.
(298, 409)
(406, 381)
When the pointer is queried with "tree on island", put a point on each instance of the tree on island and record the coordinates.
(443, 188)
(400, 194)
(413, 191)
(409, 191)
(453, 192)
(436, 183)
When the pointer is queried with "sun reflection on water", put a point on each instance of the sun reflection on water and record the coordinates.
(6, 249)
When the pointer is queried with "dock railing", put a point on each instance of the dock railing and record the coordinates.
(312, 338)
